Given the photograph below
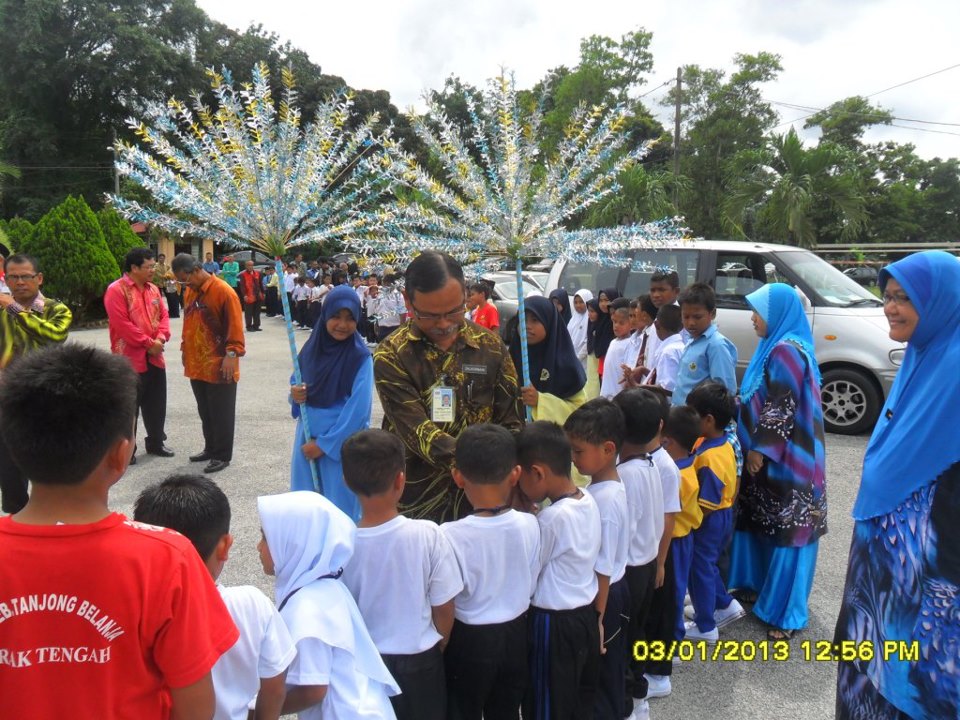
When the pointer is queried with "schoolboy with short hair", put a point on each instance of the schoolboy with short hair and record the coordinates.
(622, 351)
(133, 606)
(498, 552)
(680, 435)
(595, 431)
(256, 666)
(664, 287)
(666, 366)
(708, 354)
(641, 409)
(403, 575)
(716, 466)
(565, 634)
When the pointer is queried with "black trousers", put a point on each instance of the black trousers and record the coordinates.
(251, 314)
(273, 302)
(487, 670)
(640, 580)
(173, 304)
(13, 483)
(217, 405)
(610, 700)
(564, 664)
(152, 404)
(662, 618)
(384, 332)
(422, 685)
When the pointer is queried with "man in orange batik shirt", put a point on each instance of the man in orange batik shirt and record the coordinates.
(212, 346)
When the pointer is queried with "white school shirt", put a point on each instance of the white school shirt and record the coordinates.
(569, 545)
(299, 293)
(653, 344)
(619, 348)
(399, 571)
(289, 282)
(499, 559)
(611, 499)
(667, 363)
(641, 480)
(264, 650)
(669, 479)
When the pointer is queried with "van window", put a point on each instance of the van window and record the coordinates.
(738, 275)
(589, 276)
(648, 262)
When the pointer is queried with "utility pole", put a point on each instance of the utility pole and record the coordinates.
(676, 145)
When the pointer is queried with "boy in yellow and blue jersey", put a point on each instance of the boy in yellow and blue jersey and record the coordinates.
(716, 467)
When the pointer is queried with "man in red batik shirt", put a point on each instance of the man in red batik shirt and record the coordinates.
(251, 288)
(139, 329)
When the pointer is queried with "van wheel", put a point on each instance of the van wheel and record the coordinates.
(851, 402)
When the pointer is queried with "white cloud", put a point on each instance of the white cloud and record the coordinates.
(830, 50)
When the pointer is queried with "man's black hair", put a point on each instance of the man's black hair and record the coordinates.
(668, 276)
(596, 421)
(670, 319)
(486, 453)
(24, 259)
(712, 398)
(61, 409)
(544, 442)
(646, 304)
(480, 287)
(642, 412)
(430, 271)
(699, 294)
(184, 262)
(683, 426)
(136, 257)
(192, 505)
(371, 460)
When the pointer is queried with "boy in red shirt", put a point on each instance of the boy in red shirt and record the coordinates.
(484, 312)
(100, 617)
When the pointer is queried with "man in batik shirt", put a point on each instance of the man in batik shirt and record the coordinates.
(436, 375)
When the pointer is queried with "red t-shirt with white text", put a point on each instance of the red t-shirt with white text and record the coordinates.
(100, 620)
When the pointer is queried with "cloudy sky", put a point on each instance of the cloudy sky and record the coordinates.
(830, 49)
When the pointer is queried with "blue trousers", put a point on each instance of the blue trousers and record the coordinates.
(706, 586)
(681, 550)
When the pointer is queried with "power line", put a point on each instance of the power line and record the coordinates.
(653, 90)
(795, 106)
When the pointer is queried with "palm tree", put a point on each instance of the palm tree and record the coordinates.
(777, 189)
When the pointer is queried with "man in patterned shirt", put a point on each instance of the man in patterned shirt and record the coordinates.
(28, 321)
(436, 375)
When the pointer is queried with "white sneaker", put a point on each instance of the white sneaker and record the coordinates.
(733, 612)
(657, 685)
(693, 633)
(687, 601)
(641, 710)
(689, 613)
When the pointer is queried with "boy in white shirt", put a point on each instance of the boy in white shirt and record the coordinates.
(498, 551)
(565, 630)
(403, 575)
(256, 666)
(622, 351)
(642, 413)
(595, 431)
(666, 365)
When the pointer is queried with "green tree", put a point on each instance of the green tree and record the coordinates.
(18, 231)
(775, 190)
(644, 193)
(117, 234)
(721, 117)
(73, 254)
(845, 121)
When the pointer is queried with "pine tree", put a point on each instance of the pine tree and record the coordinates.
(73, 255)
(116, 231)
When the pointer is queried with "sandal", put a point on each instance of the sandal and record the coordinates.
(775, 634)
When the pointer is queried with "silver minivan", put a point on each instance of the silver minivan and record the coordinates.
(857, 358)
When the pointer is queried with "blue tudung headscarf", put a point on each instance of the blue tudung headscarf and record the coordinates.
(328, 366)
(915, 439)
(780, 307)
(554, 365)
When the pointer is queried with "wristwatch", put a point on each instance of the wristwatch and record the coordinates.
(231, 353)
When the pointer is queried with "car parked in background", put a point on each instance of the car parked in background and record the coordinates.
(857, 358)
(866, 275)
(504, 295)
(260, 260)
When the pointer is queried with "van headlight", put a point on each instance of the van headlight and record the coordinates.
(896, 356)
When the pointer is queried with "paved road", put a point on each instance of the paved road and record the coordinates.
(730, 690)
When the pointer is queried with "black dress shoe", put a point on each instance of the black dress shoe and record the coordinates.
(162, 451)
(200, 457)
(216, 466)
(133, 459)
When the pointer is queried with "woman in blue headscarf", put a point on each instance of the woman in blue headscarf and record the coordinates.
(337, 372)
(782, 502)
(903, 576)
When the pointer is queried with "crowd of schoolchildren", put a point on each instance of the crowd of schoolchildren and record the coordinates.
(543, 601)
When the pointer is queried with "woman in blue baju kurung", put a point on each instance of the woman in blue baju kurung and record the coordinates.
(903, 576)
(782, 505)
(337, 372)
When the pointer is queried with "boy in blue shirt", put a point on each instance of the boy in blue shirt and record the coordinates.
(716, 466)
(709, 354)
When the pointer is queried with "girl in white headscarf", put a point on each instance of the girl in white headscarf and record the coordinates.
(577, 327)
(338, 672)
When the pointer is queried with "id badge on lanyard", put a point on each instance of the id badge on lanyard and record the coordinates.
(443, 404)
